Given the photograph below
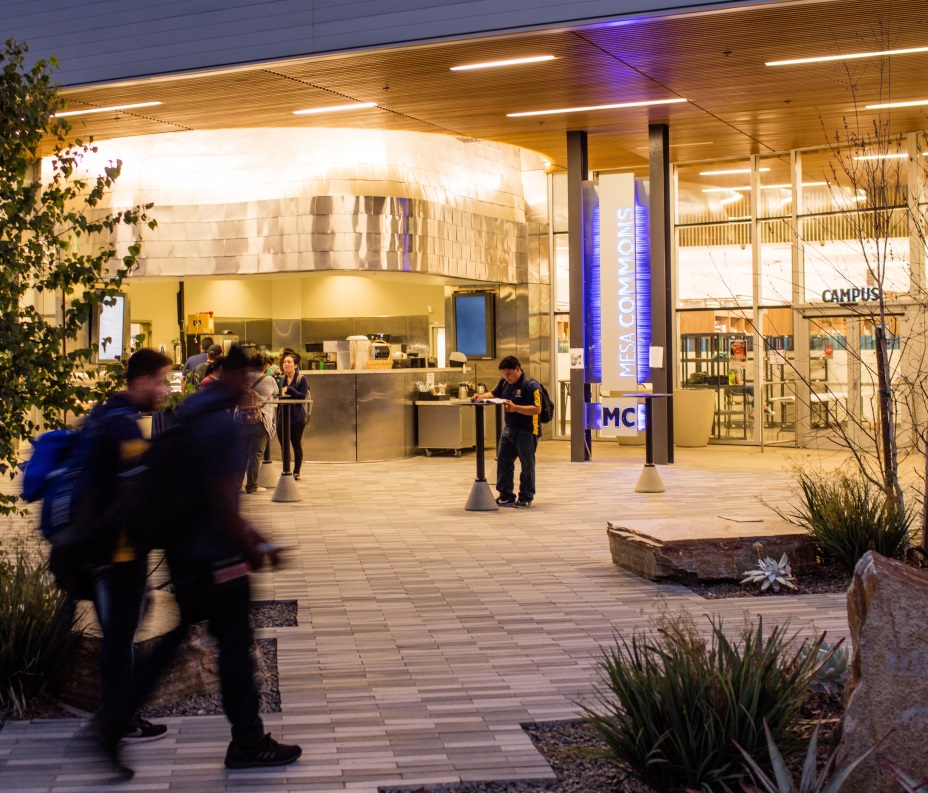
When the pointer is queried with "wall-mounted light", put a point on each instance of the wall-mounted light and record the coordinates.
(732, 171)
(111, 109)
(731, 199)
(886, 105)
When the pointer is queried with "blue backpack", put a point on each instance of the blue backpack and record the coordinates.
(61, 474)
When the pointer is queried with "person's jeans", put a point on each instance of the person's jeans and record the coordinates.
(118, 597)
(296, 441)
(227, 608)
(515, 443)
(256, 438)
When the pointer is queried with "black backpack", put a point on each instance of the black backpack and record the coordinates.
(547, 406)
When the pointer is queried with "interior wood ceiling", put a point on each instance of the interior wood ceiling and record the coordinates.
(735, 106)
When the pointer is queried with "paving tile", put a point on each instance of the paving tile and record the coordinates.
(428, 634)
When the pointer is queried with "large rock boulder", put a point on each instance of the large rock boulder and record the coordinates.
(887, 688)
(194, 670)
(706, 549)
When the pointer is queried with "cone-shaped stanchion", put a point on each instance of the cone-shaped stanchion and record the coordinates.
(268, 474)
(286, 489)
(649, 481)
(481, 498)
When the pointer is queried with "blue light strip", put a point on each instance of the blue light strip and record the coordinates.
(643, 286)
(595, 318)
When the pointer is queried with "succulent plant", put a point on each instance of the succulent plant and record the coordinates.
(829, 779)
(831, 676)
(771, 574)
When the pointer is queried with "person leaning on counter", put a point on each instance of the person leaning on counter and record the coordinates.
(293, 385)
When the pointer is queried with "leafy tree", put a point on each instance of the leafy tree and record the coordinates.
(58, 245)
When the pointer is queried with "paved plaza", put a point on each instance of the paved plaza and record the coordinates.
(428, 634)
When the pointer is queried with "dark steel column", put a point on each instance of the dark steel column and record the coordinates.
(661, 288)
(578, 170)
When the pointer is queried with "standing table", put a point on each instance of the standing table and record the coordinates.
(286, 489)
(650, 480)
(481, 497)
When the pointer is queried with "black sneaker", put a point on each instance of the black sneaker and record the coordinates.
(522, 503)
(266, 753)
(506, 501)
(141, 730)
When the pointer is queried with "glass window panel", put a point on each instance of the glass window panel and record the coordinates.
(776, 262)
(846, 180)
(559, 201)
(714, 265)
(775, 187)
(854, 251)
(713, 192)
(561, 273)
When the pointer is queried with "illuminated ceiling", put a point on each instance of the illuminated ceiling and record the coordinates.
(716, 61)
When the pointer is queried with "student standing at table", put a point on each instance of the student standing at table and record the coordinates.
(519, 438)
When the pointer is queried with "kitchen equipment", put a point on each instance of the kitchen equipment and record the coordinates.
(358, 349)
(481, 388)
(463, 392)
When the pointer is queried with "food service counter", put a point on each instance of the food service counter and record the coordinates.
(366, 415)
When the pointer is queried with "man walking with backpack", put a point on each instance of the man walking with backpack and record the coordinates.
(106, 567)
(522, 405)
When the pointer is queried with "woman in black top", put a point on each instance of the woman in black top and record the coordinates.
(293, 385)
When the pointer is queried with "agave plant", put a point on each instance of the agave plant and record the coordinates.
(771, 574)
(829, 780)
(831, 676)
(908, 783)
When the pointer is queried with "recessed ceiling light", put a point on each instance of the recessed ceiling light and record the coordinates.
(104, 109)
(734, 170)
(510, 62)
(594, 107)
(915, 103)
(848, 57)
(334, 108)
(863, 157)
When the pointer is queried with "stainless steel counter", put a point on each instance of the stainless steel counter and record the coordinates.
(366, 415)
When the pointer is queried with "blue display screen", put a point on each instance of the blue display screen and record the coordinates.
(473, 317)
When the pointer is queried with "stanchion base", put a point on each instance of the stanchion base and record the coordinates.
(481, 498)
(649, 481)
(286, 489)
(269, 473)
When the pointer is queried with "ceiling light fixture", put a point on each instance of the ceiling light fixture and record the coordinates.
(511, 62)
(104, 109)
(731, 199)
(885, 105)
(334, 108)
(848, 57)
(734, 170)
(594, 107)
(864, 157)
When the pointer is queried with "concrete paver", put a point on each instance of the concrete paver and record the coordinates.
(428, 634)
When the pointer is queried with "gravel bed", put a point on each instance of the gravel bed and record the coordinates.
(812, 584)
(265, 614)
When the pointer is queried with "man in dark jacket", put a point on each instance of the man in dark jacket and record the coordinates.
(111, 571)
(210, 561)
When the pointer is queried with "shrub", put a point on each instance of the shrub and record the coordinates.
(846, 517)
(35, 623)
(672, 703)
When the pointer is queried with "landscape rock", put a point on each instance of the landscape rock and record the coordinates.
(195, 669)
(887, 690)
(706, 549)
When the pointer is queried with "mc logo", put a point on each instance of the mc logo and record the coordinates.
(627, 416)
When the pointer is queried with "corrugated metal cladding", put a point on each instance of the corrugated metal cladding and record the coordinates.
(106, 40)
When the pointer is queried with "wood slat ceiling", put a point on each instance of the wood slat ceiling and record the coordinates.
(736, 105)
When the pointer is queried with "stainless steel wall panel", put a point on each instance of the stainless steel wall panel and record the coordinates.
(286, 333)
(332, 434)
(381, 424)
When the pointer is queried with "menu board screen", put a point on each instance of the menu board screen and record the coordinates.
(111, 329)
